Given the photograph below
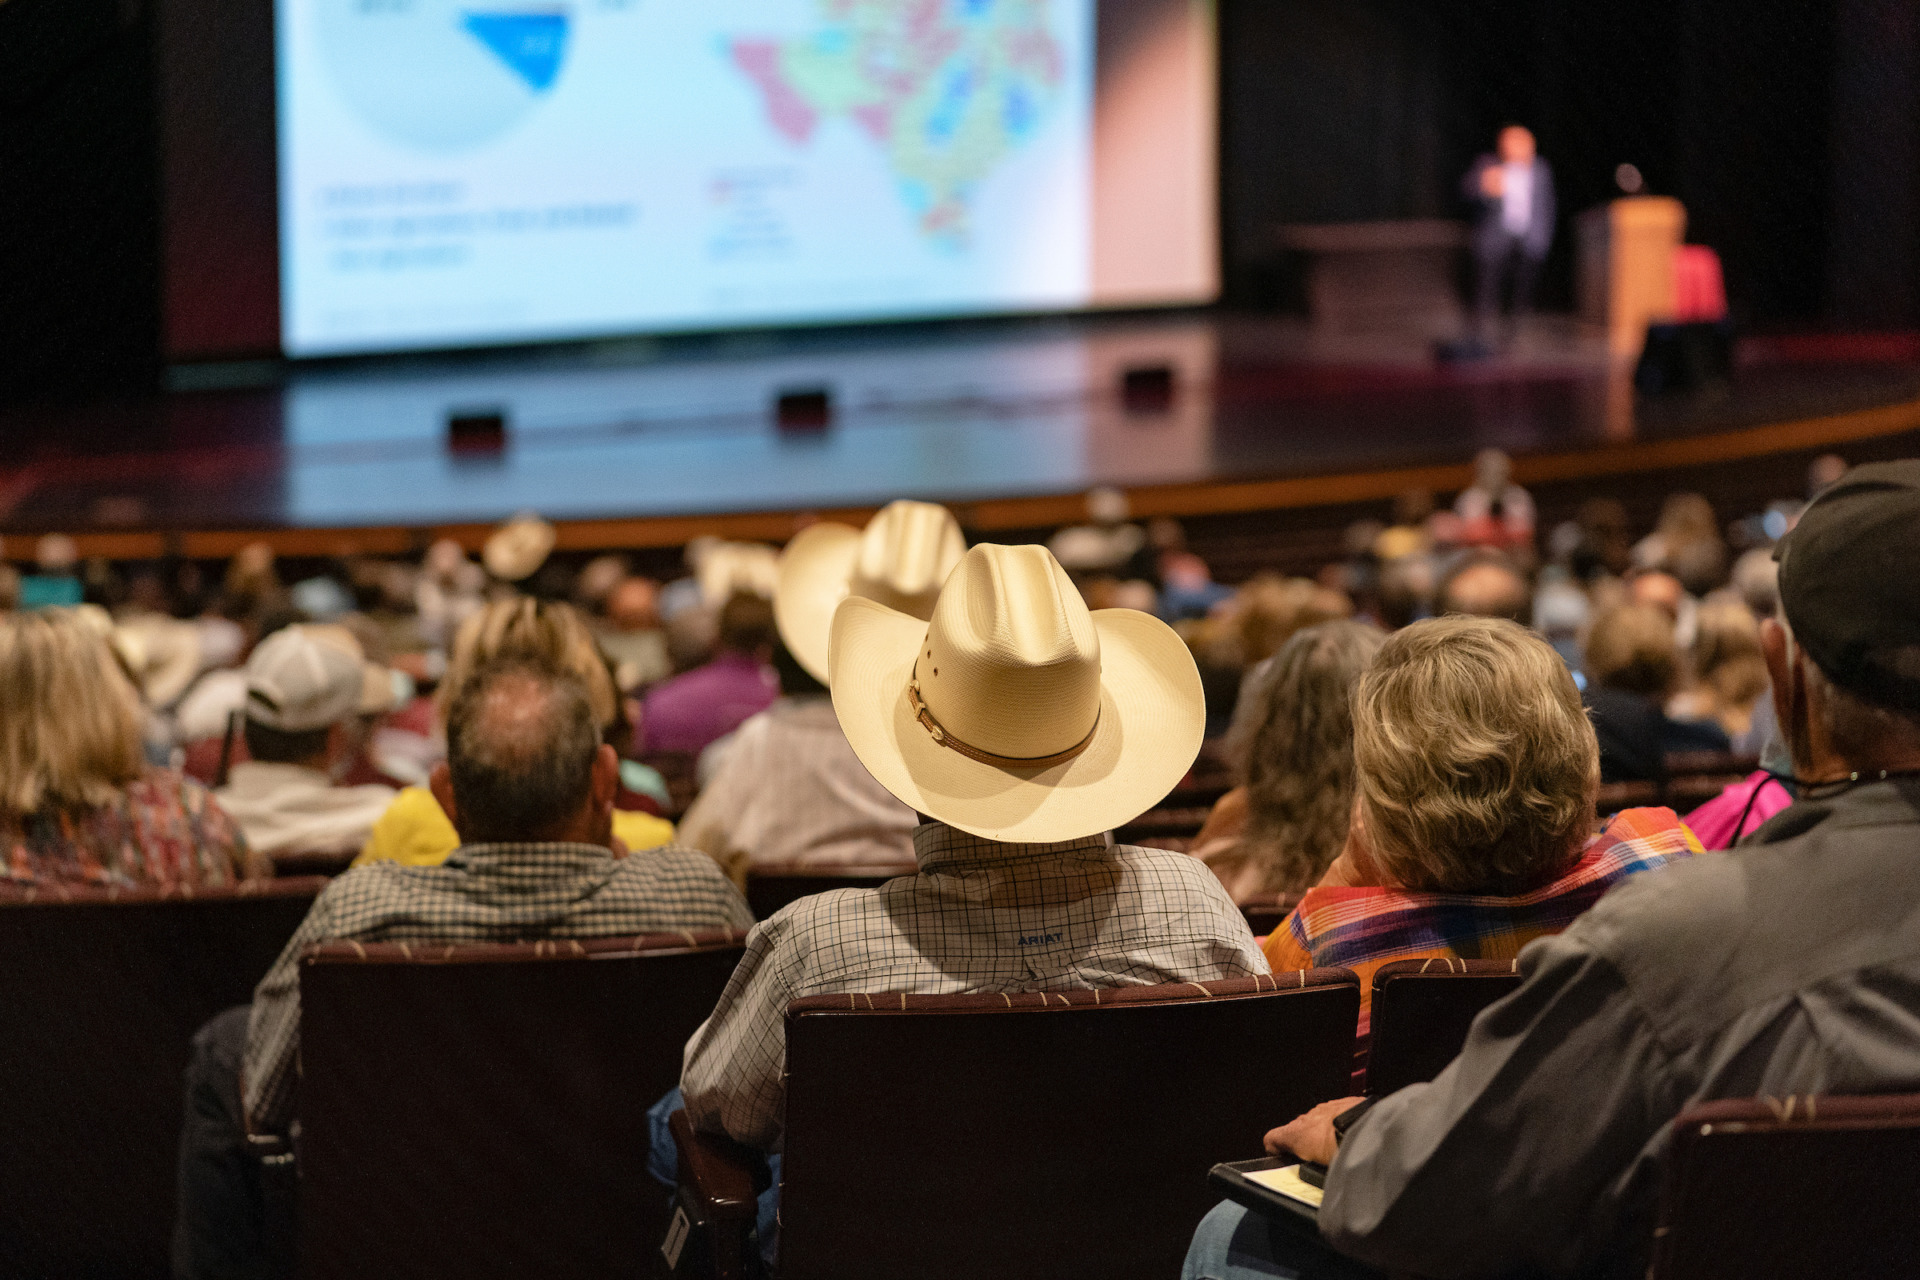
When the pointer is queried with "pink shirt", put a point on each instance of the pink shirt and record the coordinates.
(703, 705)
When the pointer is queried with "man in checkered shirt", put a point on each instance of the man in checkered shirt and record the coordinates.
(530, 788)
(1107, 715)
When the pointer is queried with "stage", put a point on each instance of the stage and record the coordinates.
(649, 442)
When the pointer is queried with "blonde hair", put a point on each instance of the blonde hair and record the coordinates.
(1270, 609)
(1293, 741)
(1476, 766)
(1631, 647)
(544, 633)
(1726, 652)
(70, 732)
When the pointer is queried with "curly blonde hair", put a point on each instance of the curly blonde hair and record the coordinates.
(70, 738)
(1292, 742)
(1476, 767)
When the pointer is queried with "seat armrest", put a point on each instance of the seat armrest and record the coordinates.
(718, 1174)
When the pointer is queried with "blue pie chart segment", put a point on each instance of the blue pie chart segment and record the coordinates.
(441, 75)
(529, 43)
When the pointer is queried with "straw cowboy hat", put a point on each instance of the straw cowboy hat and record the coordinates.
(724, 569)
(516, 550)
(1016, 714)
(900, 559)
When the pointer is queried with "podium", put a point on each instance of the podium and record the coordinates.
(1626, 276)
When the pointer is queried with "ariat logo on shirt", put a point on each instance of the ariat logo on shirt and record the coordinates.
(1038, 939)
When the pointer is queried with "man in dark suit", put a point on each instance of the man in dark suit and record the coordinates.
(1514, 228)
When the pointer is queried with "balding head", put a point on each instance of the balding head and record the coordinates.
(524, 759)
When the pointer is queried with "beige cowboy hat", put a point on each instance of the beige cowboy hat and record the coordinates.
(900, 559)
(1017, 714)
(515, 551)
(724, 569)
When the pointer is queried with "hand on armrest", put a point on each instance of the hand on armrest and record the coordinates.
(722, 1176)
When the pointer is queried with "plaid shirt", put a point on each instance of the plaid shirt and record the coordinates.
(482, 893)
(790, 790)
(981, 916)
(1364, 928)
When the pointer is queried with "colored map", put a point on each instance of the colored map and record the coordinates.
(947, 88)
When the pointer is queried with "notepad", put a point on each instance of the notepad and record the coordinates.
(1288, 1182)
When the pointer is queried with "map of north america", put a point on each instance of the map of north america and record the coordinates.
(947, 88)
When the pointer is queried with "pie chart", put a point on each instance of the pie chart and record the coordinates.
(441, 75)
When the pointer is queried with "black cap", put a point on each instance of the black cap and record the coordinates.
(1849, 574)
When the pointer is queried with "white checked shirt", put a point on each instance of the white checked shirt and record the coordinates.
(482, 893)
(981, 916)
(790, 790)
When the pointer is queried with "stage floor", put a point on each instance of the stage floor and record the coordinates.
(649, 441)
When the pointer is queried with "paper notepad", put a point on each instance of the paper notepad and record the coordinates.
(1287, 1182)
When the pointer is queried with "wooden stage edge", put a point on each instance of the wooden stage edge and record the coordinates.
(1197, 499)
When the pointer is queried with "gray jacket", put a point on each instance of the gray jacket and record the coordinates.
(1789, 965)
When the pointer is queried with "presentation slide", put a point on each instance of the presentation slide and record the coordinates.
(470, 172)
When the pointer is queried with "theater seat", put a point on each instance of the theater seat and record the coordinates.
(1268, 912)
(1065, 1135)
(1421, 1011)
(1772, 1188)
(480, 1111)
(100, 994)
(309, 863)
(771, 886)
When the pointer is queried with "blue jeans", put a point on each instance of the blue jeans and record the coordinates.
(663, 1162)
(1234, 1243)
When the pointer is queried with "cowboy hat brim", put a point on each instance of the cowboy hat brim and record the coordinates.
(1152, 722)
(815, 569)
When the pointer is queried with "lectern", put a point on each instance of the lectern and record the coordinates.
(1626, 267)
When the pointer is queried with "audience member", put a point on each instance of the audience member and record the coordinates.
(1632, 667)
(1494, 511)
(1109, 543)
(305, 688)
(1686, 543)
(517, 549)
(1037, 728)
(1475, 775)
(1790, 968)
(1729, 671)
(529, 785)
(901, 559)
(415, 830)
(79, 805)
(697, 708)
(447, 593)
(1486, 584)
(1757, 580)
(790, 791)
(1292, 743)
(632, 638)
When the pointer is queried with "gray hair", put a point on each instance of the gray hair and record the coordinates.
(521, 742)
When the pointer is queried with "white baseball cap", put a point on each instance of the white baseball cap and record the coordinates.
(299, 681)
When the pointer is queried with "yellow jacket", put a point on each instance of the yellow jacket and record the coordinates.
(415, 831)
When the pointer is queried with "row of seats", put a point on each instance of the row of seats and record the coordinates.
(480, 1110)
(544, 1057)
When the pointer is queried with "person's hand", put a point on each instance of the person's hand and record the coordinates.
(1311, 1136)
(1493, 182)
